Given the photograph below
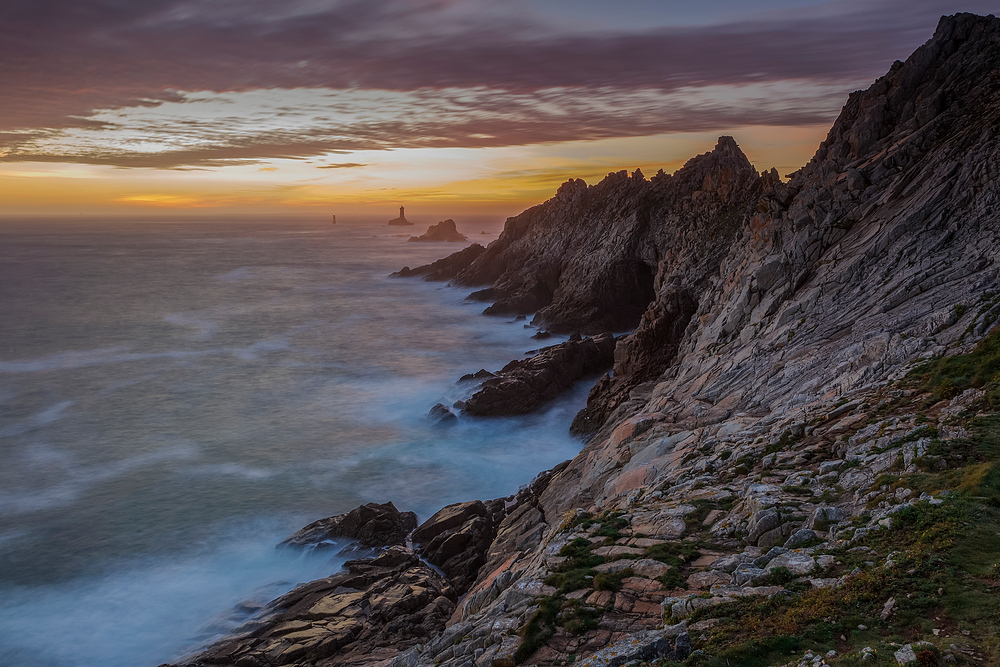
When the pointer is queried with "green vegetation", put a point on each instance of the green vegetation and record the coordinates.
(611, 581)
(947, 377)
(577, 570)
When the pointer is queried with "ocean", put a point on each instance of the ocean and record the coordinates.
(175, 398)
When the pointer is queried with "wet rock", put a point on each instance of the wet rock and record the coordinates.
(443, 269)
(523, 386)
(481, 374)
(442, 415)
(376, 608)
(456, 539)
(371, 525)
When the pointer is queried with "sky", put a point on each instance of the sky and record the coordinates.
(449, 107)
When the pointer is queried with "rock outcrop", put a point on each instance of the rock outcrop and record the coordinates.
(446, 268)
(442, 231)
(761, 456)
(371, 525)
(523, 385)
(373, 610)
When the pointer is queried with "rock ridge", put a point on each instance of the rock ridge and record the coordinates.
(762, 455)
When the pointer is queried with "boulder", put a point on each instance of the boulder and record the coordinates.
(708, 579)
(801, 536)
(796, 563)
(371, 525)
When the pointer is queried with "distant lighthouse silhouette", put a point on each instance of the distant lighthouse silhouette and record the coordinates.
(401, 220)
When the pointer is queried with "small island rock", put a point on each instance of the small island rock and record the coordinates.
(442, 231)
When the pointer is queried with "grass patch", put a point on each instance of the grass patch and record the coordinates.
(577, 570)
(946, 377)
(539, 629)
(611, 581)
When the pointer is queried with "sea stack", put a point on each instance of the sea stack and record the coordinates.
(334, 220)
(442, 231)
(401, 220)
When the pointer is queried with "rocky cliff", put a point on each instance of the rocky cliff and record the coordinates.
(797, 452)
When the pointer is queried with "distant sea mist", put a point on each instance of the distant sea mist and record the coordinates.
(175, 398)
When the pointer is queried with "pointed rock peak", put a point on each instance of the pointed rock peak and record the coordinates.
(637, 175)
(571, 189)
(954, 75)
(728, 145)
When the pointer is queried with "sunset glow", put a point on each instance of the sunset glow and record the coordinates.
(452, 107)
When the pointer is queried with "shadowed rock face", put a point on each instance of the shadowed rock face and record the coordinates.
(587, 260)
(371, 525)
(757, 370)
(523, 385)
(881, 250)
(443, 269)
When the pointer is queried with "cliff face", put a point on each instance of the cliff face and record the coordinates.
(881, 250)
(755, 483)
(591, 259)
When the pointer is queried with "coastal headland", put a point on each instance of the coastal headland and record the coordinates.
(796, 456)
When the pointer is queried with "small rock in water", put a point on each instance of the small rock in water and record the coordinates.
(442, 415)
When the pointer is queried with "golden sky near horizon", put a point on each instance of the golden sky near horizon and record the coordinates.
(449, 107)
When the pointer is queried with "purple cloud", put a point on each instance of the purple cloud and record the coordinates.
(62, 60)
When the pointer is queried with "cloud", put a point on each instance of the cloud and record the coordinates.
(297, 124)
(69, 66)
(341, 165)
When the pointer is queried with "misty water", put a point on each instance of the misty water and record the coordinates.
(175, 398)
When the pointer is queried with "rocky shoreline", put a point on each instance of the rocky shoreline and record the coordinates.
(797, 453)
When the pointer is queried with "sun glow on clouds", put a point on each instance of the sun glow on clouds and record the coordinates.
(460, 104)
(472, 148)
(215, 130)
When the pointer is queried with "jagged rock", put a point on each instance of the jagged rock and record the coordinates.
(522, 386)
(442, 415)
(375, 608)
(481, 374)
(646, 646)
(456, 539)
(371, 525)
(443, 269)
(442, 231)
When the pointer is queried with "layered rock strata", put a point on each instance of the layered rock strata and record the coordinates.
(751, 457)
